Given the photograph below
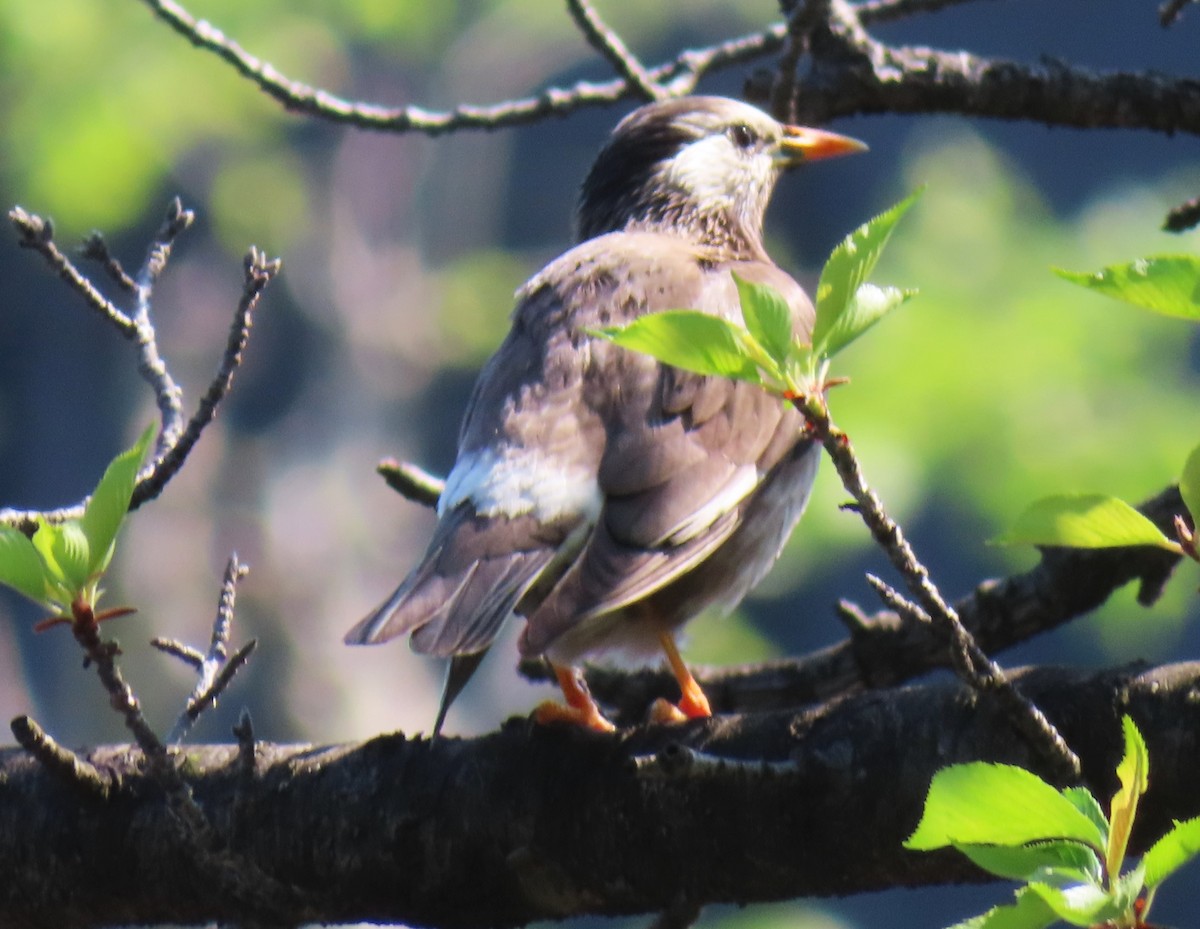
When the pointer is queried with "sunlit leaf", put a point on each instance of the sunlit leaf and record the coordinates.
(1080, 904)
(868, 306)
(768, 318)
(1084, 521)
(1167, 284)
(1134, 774)
(1175, 849)
(1189, 484)
(1027, 862)
(64, 551)
(110, 501)
(1084, 801)
(1028, 912)
(847, 269)
(690, 340)
(993, 804)
(1126, 889)
(21, 567)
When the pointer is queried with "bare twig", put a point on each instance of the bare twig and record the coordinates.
(974, 665)
(1183, 217)
(216, 667)
(411, 481)
(259, 272)
(614, 50)
(95, 248)
(78, 772)
(1170, 11)
(103, 655)
(167, 394)
(894, 600)
(192, 657)
(38, 234)
(676, 77)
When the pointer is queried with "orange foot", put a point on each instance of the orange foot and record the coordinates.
(692, 702)
(580, 709)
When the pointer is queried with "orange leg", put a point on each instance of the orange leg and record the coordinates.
(580, 708)
(692, 703)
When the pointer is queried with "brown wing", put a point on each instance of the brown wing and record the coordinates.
(684, 454)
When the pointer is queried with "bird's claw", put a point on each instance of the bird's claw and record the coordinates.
(589, 717)
(663, 711)
(692, 706)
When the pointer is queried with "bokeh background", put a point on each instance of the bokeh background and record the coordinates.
(999, 384)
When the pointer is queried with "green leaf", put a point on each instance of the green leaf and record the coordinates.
(1028, 912)
(847, 269)
(21, 567)
(1134, 775)
(1083, 521)
(993, 804)
(690, 340)
(1083, 800)
(1032, 862)
(106, 509)
(1079, 904)
(869, 305)
(64, 551)
(768, 318)
(1189, 485)
(1127, 888)
(1175, 849)
(1167, 284)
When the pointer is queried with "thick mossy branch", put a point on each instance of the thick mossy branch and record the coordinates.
(533, 823)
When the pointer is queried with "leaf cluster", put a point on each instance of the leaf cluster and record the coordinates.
(766, 351)
(1060, 843)
(61, 565)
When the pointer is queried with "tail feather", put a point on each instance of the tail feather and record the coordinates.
(471, 580)
(413, 604)
(458, 672)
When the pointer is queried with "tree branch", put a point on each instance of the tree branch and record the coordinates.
(614, 49)
(677, 77)
(854, 74)
(546, 822)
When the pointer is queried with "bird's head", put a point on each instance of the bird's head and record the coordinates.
(703, 167)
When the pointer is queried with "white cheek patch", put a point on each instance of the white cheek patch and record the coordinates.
(705, 169)
(515, 482)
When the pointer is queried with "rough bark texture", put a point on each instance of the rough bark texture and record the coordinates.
(545, 822)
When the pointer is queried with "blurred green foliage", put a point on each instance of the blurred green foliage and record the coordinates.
(1000, 383)
(102, 99)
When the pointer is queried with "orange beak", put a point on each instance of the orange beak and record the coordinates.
(801, 144)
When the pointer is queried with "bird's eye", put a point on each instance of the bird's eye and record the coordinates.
(742, 135)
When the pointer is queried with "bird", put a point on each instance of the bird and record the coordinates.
(604, 497)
